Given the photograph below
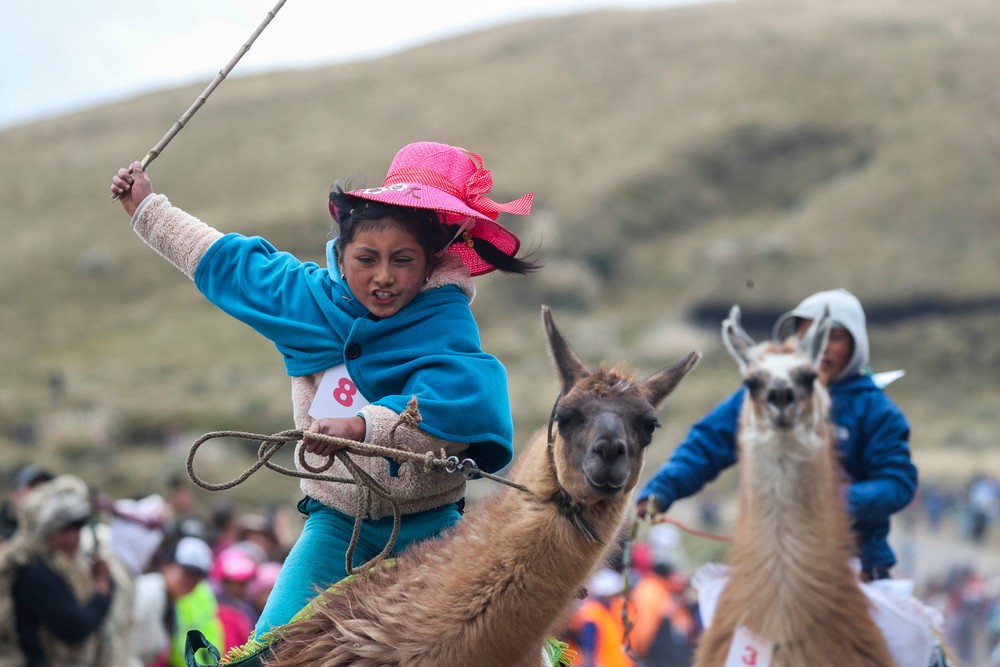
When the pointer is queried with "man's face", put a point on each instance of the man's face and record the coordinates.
(181, 580)
(66, 540)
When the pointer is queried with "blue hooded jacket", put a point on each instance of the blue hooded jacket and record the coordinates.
(871, 431)
(872, 441)
(429, 349)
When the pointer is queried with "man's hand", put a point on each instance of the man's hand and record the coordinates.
(102, 577)
(647, 508)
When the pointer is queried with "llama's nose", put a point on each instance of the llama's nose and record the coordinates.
(781, 396)
(610, 443)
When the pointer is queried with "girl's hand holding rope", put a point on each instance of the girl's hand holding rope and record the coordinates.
(346, 428)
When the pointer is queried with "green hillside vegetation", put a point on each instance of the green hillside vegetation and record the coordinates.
(683, 160)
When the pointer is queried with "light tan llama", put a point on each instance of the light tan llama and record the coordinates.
(488, 592)
(791, 580)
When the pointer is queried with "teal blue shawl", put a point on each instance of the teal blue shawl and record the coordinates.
(429, 349)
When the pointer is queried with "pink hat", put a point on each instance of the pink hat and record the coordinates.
(453, 182)
(234, 565)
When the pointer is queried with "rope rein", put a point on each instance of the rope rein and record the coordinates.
(368, 485)
(654, 518)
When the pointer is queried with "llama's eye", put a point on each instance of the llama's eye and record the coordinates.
(565, 418)
(650, 426)
(807, 378)
(753, 384)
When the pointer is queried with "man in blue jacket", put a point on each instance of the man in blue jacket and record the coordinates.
(872, 435)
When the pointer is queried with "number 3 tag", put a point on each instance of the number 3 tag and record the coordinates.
(748, 649)
(337, 395)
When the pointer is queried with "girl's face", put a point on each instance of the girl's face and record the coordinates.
(385, 267)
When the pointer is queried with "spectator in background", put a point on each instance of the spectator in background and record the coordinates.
(160, 627)
(54, 600)
(183, 518)
(25, 480)
(598, 630)
(257, 529)
(136, 530)
(664, 629)
(128, 542)
(233, 571)
(983, 506)
(224, 526)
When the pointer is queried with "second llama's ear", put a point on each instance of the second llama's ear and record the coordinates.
(737, 341)
(814, 341)
(571, 370)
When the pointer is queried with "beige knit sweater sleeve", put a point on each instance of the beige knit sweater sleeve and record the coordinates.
(179, 237)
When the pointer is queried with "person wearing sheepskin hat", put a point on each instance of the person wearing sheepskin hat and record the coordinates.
(25, 480)
(54, 599)
(872, 434)
(387, 320)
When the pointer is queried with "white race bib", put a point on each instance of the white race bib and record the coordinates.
(337, 395)
(748, 649)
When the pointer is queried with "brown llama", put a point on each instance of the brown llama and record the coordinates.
(489, 591)
(791, 582)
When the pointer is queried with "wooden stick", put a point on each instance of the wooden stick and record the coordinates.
(182, 121)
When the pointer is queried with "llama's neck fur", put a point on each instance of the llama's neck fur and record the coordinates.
(792, 534)
(791, 580)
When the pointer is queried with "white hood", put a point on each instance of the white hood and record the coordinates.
(846, 312)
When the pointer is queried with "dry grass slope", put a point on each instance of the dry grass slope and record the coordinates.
(747, 152)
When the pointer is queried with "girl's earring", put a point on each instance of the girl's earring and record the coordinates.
(342, 276)
(427, 279)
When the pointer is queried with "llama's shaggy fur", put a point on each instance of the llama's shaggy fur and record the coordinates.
(791, 580)
(491, 589)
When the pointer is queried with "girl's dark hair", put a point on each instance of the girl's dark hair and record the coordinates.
(354, 214)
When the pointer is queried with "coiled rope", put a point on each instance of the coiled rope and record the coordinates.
(271, 444)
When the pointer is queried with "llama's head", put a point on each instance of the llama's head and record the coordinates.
(604, 419)
(780, 376)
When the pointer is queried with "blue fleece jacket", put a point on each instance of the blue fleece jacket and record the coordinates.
(429, 349)
(872, 440)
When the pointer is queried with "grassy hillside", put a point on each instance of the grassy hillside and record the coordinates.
(683, 160)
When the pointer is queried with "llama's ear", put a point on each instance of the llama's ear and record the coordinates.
(814, 341)
(737, 341)
(659, 386)
(571, 370)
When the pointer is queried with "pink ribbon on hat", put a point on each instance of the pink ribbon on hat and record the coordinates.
(480, 183)
(476, 186)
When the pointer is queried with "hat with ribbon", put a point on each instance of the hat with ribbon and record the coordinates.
(454, 182)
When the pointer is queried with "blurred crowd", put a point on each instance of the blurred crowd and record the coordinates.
(640, 609)
(93, 581)
(973, 507)
(970, 601)
(968, 594)
(98, 582)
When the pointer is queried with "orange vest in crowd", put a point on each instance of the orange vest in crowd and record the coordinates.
(653, 601)
(610, 631)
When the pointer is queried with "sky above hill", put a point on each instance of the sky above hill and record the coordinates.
(61, 55)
